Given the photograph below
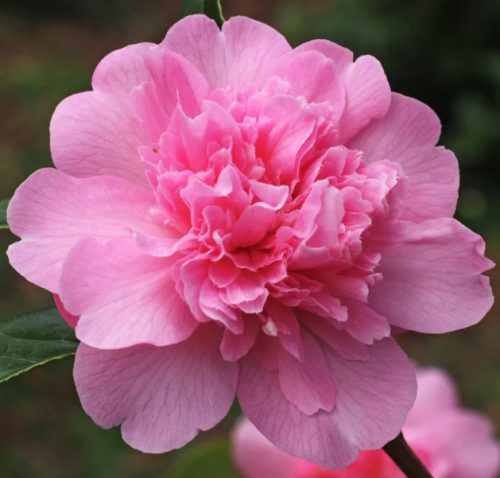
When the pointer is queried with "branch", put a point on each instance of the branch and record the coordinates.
(407, 461)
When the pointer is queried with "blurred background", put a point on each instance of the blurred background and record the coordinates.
(444, 52)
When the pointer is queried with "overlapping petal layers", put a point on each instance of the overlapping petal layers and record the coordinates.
(222, 188)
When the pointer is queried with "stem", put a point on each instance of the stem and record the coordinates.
(407, 461)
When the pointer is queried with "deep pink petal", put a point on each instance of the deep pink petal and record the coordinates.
(51, 211)
(373, 399)
(161, 396)
(71, 319)
(432, 278)
(123, 296)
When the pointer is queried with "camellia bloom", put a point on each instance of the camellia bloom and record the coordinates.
(231, 216)
(452, 442)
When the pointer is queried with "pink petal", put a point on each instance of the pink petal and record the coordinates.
(252, 50)
(199, 40)
(257, 457)
(235, 346)
(93, 133)
(175, 82)
(287, 133)
(253, 225)
(123, 296)
(71, 319)
(161, 396)
(407, 135)
(431, 277)
(364, 324)
(121, 70)
(51, 211)
(313, 76)
(368, 96)
(308, 383)
(245, 52)
(341, 57)
(372, 401)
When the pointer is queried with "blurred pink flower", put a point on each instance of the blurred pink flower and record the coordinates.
(231, 216)
(451, 441)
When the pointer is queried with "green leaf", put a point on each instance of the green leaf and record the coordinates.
(211, 8)
(33, 339)
(207, 459)
(3, 214)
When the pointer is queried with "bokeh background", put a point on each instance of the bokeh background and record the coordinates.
(444, 52)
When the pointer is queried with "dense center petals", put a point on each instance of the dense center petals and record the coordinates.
(264, 205)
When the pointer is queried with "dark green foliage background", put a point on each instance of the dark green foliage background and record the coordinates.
(444, 52)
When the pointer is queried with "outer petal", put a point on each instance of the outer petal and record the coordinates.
(123, 296)
(161, 396)
(51, 211)
(198, 39)
(368, 96)
(257, 457)
(252, 50)
(373, 398)
(407, 135)
(431, 277)
(342, 57)
(245, 52)
(93, 133)
(121, 70)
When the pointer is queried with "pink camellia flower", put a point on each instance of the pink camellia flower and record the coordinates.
(452, 442)
(231, 216)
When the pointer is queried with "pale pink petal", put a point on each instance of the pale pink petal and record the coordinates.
(174, 82)
(161, 396)
(373, 399)
(51, 211)
(123, 296)
(431, 277)
(436, 395)
(198, 39)
(93, 133)
(252, 50)
(257, 457)
(314, 77)
(342, 57)
(121, 70)
(307, 384)
(368, 96)
(407, 135)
